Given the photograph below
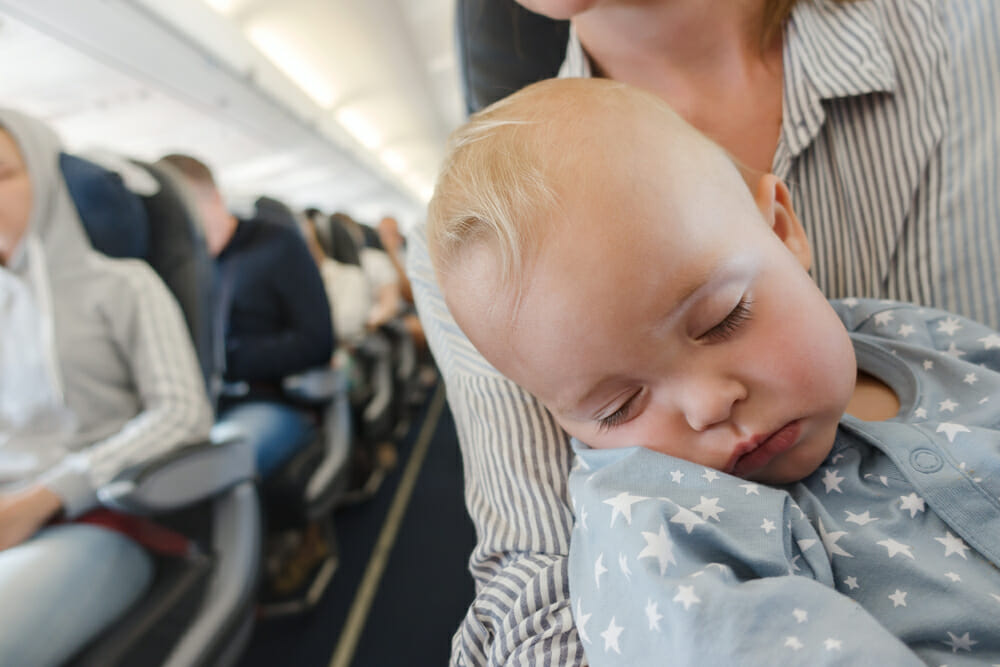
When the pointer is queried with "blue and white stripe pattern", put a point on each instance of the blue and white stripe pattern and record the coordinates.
(891, 145)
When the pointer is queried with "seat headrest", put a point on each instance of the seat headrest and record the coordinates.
(503, 47)
(273, 210)
(112, 215)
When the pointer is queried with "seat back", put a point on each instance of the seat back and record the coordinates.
(112, 215)
(274, 210)
(157, 227)
(503, 47)
(178, 252)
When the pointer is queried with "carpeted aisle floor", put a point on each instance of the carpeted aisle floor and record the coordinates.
(403, 583)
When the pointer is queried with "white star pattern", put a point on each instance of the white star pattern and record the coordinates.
(611, 636)
(622, 504)
(687, 518)
(852, 583)
(881, 478)
(793, 643)
(882, 319)
(583, 517)
(970, 378)
(906, 330)
(949, 326)
(964, 642)
(767, 525)
(951, 430)
(850, 302)
(896, 548)
(580, 620)
(623, 566)
(830, 541)
(801, 615)
(984, 399)
(952, 545)
(685, 595)
(831, 480)
(860, 519)
(805, 543)
(953, 576)
(599, 569)
(947, 405)
(708, 507)
(912, 503)
(898, 598)
(991, 341)
(837, 457)
(995, 596)
(832, 644)
(920, 413)
(710, 475)
(953, 351)
(751, 489)
(653, 615)
(659, 546)
(677, 476)
(928, 364)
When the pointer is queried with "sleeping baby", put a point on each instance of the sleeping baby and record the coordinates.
(763, 476)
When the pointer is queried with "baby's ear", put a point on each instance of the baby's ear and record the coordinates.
(775, 204)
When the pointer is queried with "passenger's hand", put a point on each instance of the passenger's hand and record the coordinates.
(24, 512)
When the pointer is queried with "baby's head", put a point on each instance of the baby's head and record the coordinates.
(608, 258)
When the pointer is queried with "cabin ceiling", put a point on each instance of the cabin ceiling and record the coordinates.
(340, 104)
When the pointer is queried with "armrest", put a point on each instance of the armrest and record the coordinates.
(183, 476)
(315, 387)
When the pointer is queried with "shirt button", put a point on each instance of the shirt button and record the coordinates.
(926, 460)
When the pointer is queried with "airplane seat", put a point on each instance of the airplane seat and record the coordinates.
(503, 47)
(179, 254)
(199, 609)
(374, 399)
(305, 489)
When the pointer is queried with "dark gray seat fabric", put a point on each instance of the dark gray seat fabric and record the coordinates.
(503, 47)
(177, 252)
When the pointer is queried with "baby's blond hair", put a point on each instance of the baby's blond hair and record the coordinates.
(496, 185)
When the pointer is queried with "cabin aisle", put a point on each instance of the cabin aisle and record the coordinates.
(403, 584)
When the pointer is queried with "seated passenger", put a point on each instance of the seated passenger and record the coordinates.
(394, 244)
(346, 289)
(273, 311)
(383, 282)
(97, 373)
(789, 481)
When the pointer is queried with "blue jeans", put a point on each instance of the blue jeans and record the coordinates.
(63, 586)
(276, 430)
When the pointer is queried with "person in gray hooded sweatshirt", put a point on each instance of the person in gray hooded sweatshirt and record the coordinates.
(97, 373)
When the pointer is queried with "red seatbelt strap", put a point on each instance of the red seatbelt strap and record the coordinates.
(148, 534)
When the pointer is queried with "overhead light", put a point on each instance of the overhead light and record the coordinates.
(222, 6)
(360, 127)
(393, 160)
(296, 66)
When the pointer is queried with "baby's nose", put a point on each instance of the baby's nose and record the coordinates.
(708, 403)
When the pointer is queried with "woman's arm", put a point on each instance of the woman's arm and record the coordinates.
(167, 378)
(516, 463)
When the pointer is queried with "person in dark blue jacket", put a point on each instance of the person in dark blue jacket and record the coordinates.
(273, 308)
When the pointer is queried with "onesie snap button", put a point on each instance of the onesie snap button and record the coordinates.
(926, 460)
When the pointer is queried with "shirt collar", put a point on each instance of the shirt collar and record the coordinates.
(832, 50)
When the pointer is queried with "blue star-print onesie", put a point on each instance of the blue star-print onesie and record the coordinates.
(886, 555)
